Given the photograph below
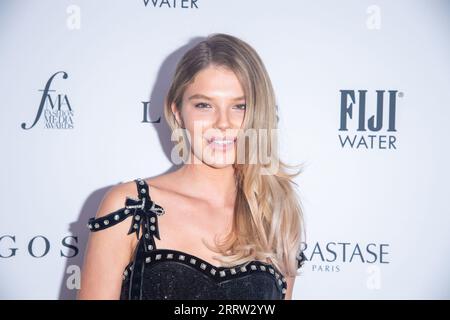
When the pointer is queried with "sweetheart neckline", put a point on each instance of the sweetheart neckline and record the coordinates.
(214, 271)
(217, 274)
(156, 250)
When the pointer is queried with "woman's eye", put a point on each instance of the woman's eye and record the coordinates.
(201, 105)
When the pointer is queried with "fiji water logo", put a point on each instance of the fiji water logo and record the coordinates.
(54, 106)
(363, 129)
(172, 4)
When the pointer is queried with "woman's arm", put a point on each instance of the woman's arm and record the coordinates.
(108, 252)
(290, 287)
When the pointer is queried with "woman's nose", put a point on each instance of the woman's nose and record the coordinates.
(222, 120)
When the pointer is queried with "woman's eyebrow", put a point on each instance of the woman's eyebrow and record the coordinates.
(202, 96)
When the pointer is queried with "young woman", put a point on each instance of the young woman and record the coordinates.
(223, 226)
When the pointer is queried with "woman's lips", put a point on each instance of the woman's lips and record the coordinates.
(221, 144)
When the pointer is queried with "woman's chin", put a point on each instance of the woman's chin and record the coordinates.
(216, 165)
(219, 160)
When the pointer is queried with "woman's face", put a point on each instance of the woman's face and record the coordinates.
(212, 111)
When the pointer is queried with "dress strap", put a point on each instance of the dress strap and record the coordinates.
(142, 210)
(301, 258)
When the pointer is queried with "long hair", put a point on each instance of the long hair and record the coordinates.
(268, 215)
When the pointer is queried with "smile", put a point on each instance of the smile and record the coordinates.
(221, 144)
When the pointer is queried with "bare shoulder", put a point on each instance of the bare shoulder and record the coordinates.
(109, 250)
(114, 200)
(115, 197)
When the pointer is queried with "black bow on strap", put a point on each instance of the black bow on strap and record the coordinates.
(144, 209)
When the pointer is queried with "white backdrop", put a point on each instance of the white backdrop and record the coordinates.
(377, 215)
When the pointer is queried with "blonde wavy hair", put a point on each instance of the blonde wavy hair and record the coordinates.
(268, 215)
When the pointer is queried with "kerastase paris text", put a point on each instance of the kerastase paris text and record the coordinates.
(329, 256)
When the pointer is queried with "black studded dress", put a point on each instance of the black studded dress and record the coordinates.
(158, 274)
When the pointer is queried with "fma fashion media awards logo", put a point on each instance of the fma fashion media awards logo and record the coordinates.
(362, 128)
(54, 106)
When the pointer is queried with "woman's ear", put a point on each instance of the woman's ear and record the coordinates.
(176, 114)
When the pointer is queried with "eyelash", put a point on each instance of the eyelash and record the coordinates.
(201, 103)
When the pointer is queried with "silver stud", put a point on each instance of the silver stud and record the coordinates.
(283, 279)
(253, 267)
(279, 282)
(243, 269)
(213, 271)
(142, 190)
(152, 219)
(284, 290)
(125, 273)
(127, 211)
(90, 226)
(158, 256)
(141, 182)
(181, 257)
(135, 226)
(271, 271)
(116, 217)
(146, 236)
(222, 273)
(169, 255)
(152, 227)
(150, 247)
(131, 267)
(203, 266)
(263, 268)
(96, 226)
(192, 261)
(233, 271)
(277, 275)
(137, 217)
(106, 222)
(148, 259)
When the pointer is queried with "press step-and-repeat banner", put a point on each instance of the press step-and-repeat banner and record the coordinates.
(363, 90)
